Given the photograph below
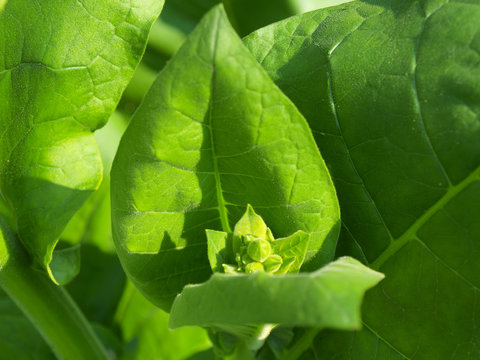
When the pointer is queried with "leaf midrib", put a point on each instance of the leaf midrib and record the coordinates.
(410, 233)
(222, 208)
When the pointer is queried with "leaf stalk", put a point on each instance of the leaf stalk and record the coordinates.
(48, 306)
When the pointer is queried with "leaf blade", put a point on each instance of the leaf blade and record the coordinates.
(331, 297)
(390, 118)
(60, 83)
(176, 183)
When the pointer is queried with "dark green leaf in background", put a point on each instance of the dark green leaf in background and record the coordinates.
(63, 67)
(19, 340)
(249, 15)
(391, 91)
(204, 144)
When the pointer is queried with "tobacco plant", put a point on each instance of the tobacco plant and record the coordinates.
(261, 187)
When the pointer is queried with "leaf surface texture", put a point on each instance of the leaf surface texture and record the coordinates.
(213, 135)
(391, 91)
(63, 67)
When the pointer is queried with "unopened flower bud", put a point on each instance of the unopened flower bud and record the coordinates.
(259, 250)
(273, 263)
(253, 267)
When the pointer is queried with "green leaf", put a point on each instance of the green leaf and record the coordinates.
(220, 250)
(391, 91)
(330, 297)
(63, 68)
(213, 135)
(144, 329)
(100, 283)
(295, 246)
(6, 213)
(250, 223)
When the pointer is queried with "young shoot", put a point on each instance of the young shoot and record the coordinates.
(252, 248)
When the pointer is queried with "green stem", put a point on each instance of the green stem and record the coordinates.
(141, 81)
(258, 338)
(48, 306)
(165, 38)
(301, 345)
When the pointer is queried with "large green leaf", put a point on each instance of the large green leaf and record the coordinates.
(213, 135)
(98, 287)
(329, 297)
(63, 68)
(391, 91)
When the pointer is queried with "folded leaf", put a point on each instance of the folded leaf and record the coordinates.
(329, 297)
(391, 90)
(219, 250)
(295, 246)
(212, 135)
(63, 67)
(250, 223)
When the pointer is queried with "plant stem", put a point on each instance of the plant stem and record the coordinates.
(48, 306)
(301, 345)
(141, 81)
(259, 337)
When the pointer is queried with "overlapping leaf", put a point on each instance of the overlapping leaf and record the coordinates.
(391, 91)
(213, 135)
(329, 297)
(63, 67)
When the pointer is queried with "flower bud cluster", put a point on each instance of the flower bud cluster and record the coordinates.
(256, 254)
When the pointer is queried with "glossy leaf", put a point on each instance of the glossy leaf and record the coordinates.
(213, 135)
(63, 68)
(391, 91)
(330, 297)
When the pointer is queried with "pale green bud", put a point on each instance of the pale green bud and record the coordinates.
(247, 239)
(246, 259)
(253, 267)
(238, 259)
(259, 250)
(229, 269)
(273, 263)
